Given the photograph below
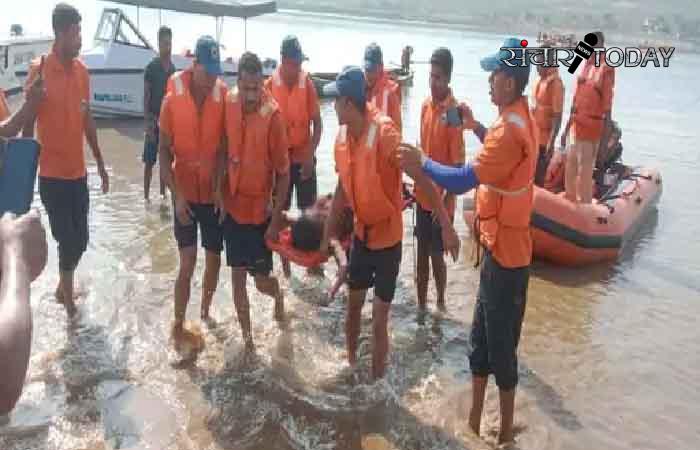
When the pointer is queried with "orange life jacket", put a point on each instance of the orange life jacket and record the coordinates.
(380, 93)
(588, 101)
(543, 106)
(250, 171)
(196, 136)
(377, 210)
(294, 107)
(507, 206)
(4, 109)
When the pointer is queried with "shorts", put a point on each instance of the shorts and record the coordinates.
(378, 268)
(498, 319)
(67, 204)
(208, 223)
(428, 231)
(542, 164)
(150, 149)
(306, 190)
(246, 247)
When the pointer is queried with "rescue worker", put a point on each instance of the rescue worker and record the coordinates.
(382, 92)
(191, 132)
(255, 161)
(547, 105)
(443, 142)
(369, 182)
(296, 97)
(63, 121)
(588, 125)
(156, 76)
(504, 171)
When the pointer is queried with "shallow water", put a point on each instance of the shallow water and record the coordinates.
(609, 355)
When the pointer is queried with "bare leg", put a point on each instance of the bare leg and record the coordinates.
(240, 301)
(571, 174)
(356, 299)
(147, 176)
(422, 273)
(286, 268)
(507, 400)
(271, 287)
(478, 395)
(211, 279)
(380, 336)
(188, 259)
(440, 275)
(585, 187)
(66, 289)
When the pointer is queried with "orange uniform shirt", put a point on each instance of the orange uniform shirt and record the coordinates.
(312, 109)
(4, 107)
(439, 141)
(582, 126)
(263, 159)
(196, 136)
(353, 155)
(60, 118)
(385, 96)
(548, 96)
(509, 151)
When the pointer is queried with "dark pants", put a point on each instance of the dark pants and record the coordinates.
(498, 319)
(67, 203)
(428, 231)
(542, 163)
(208, 223)
(246, 247)
(306, 190)
(378, 268)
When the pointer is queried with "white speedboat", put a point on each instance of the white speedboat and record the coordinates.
(121, 53)
(16, 52)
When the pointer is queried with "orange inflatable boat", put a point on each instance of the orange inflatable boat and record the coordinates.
(576, 234)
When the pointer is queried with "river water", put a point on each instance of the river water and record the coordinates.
(609, 354)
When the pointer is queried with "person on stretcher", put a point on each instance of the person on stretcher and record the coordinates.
(306, 231)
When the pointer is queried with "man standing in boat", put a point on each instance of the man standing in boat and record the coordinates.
(369, 182)
(63, 121)
(252, 180)
(504, 172)
(588, 126)
(442, 139)
(191, 132)
(547, 105)
(155, 81)
(382, 92)
(297, 100)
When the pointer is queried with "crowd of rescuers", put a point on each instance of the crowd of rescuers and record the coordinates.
(232, 159)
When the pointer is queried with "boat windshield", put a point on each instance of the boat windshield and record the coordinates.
(114, 26)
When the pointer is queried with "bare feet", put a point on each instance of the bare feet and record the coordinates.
(188, 340)
(475, 423)
(69, 304)
(441, 306)
(279, 309)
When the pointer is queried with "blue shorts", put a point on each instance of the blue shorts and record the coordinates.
(150, 149)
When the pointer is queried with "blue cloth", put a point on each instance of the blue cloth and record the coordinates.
(349, 83)
(457, 180)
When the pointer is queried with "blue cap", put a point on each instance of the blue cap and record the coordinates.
(349, 83)
(373, 57)
(291, 49)
(207, 54)
(494, 62)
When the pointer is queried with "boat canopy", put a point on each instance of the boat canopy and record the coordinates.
(216, 8)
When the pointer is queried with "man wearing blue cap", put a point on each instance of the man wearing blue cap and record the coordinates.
(191, 132)
(369, 182)
(382, 92)
(296, 97)
(504, 173)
